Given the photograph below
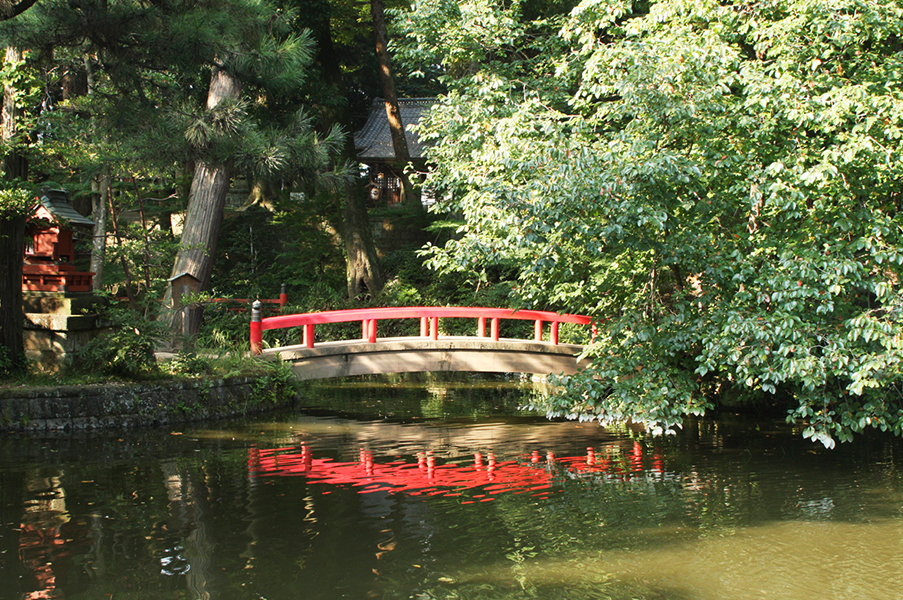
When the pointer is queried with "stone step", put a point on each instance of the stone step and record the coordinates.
(59, 303)
(60, 322)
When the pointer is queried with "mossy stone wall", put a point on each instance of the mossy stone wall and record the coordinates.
(124, 406)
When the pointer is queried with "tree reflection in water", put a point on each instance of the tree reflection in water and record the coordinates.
(46, 544)
(325, 508)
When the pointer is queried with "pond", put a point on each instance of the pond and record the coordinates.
(447, 491)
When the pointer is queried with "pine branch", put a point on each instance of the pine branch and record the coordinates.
(9, 10)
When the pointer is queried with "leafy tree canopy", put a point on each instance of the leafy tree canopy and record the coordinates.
(16, 202)
(718, 183)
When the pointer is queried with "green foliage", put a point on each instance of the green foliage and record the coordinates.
(16, 202)
(718, 183)
(277, 382)
(189, 363)
(23, 87)
(146, 252)
(6, 364)
(225, 327)
(127, 350)
(259, 250)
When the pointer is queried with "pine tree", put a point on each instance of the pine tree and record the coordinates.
(148, 66)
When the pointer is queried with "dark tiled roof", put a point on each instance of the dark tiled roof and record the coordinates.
(374, 141)
(57, 203)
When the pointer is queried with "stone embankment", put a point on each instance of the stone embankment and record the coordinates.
(110, 406)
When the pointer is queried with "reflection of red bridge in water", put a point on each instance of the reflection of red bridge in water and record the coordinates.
(533, 474)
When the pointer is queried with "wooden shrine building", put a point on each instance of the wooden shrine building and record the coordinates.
(375, 150)
(50, 246)
(60, 308)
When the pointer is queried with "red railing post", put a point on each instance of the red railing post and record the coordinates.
(371, 334)
(424, 327)
(434, 328)
(554, 335)
(309, 335)
(481, 327)
(283, 296)
(256, 328)
(537, 330)
(365, 329)
(494, 328)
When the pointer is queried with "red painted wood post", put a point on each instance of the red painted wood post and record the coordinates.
(309, 335)
(371, 334)
(424, 327)
(554, 335)
(481, 327)
(256, 328)
(365, 329)
(434, 329)
(283, 296)
(537, 330)
(494, 328)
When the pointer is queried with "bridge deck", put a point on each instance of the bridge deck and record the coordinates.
(417, 354)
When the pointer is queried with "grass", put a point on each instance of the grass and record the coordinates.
(184, 365)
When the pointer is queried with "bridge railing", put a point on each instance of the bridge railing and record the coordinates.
(281, 301)
(429, 321)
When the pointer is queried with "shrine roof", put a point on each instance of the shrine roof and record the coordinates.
(374, 141)
(56, 202)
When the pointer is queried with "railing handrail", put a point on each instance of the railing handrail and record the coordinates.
(429, 320)
(417, 312)
(282, 300)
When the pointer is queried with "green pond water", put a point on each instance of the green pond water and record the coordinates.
(447, 491)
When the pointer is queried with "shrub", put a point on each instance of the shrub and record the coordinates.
(126, 351)
(189, 363)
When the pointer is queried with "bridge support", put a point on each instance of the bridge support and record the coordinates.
(410, 355)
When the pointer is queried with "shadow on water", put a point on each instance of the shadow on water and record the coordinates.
(418, 396)
(445, 490)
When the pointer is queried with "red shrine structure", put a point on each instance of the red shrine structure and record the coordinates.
(60, 308)
(50, 246)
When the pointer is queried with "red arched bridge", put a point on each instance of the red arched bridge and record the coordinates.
(484, 352)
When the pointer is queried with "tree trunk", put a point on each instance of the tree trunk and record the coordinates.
(15, 164)
(146, 259)
(362, 268)
(396, 127)
(75, 82)
(129, 288)
(263, 193)
(206, 202)
(362, 273)
(99, 239)
(8, 10)
(12, 235)
(204, 215)
(393, 113)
